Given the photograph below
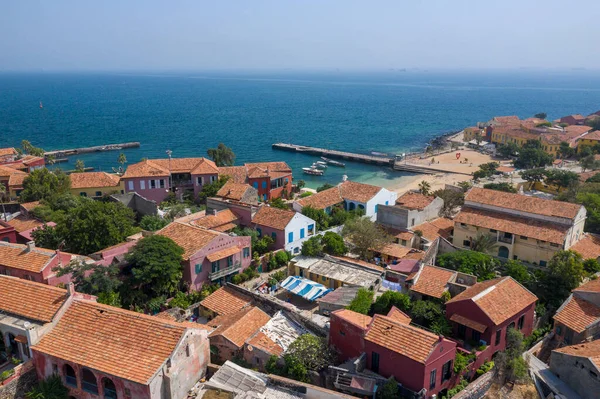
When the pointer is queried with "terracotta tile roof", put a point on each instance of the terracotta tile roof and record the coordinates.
(432, 281)
(16, 179)
(595, 135)
(233, 191)
(192, 239)
(500, 298)
(440, 227)
(545, 231)
(93, 180)
(413, 200)
(30, 300)
(266, 344)
(7, 151)
(507, 119)
(222, 254)
(273, 217)
(225, 300)
(412, 342)
(223, 217)
(588, 246)
(590, 350)
(323, 199)
(590, 286)
(6, 173)
(400, 234)
(145, 168)
(28, 206)
(584, 176)
(22, 223)
(457, 318)
(519, 134)
(196, 166)
(359, 192)
(406, 266)
(574, 131)
(240, 326)
(238, 173)
(553, 139)
(523, 203)
(29, 159)
(395, 250)
(355, 318)
(577, 314)
(115, 341)
(399, 316)
(16, 256)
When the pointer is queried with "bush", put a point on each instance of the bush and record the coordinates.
(459, 387)
(237, 279)
(384, 303)
(487, 366)
(535, 336)
(461, 362)
(591, 266)
(51, 388)
(6, 374)
(306, 194)
(362, 301)
(282, 258)
(153, 223)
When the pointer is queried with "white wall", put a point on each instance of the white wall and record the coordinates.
(383, 197)
(298, 222)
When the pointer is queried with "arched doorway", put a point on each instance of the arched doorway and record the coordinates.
(351, 206)
(110, 390)
(88, 381)
(70, 376)
(503, 252)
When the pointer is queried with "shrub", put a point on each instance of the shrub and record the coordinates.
(237, 279)
(306, 194)
(461, 385)
(362, 301)
(282, 258)
(487, 366)
(384, 303)
(51, 388)
(6, 374)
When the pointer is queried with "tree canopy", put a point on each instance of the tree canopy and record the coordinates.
(506, 187)
(42, 184)
(29, 149)
(222, 155)
(366, 236)
(477, 263)
(532, 155)
(453, 199)
(389, 298)
(362, 301)
(211, 189)
(324, 187)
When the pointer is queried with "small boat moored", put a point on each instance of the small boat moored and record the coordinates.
(320, 165)
(334, 163)
(313, 171)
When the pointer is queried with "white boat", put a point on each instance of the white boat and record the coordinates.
(334, 163)
(313, 171)
(319, 165)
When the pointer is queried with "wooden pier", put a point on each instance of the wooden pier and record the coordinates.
(349, 156)
(87, 150)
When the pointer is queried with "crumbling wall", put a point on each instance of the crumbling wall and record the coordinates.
(16, 387)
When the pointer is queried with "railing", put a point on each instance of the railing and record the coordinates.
(182, 182)
(505, 239)
(224, 272)
(89, 387)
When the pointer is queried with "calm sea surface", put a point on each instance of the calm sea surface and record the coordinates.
(187, 113)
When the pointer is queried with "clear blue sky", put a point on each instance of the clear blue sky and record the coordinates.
(275, 34)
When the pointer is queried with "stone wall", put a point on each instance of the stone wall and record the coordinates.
(17, 386)
(477, 388)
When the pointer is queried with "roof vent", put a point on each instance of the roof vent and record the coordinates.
(30, 246)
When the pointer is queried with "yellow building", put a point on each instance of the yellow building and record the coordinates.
(591, 139)
(470, 133)
(95, 184)
(512, 135)
(12, 180)
(551, 143)
(525, 228)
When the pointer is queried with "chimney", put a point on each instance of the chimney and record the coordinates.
(30, 246)
(70, 289)
(214, 212)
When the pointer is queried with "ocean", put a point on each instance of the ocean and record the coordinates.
(390, 112)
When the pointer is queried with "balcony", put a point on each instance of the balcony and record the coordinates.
(507, 240)
(224, 272)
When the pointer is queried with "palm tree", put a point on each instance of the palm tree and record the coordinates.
(425, 187)
(483, 243)
(222, 155)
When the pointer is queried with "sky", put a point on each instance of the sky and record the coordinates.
(298, 34)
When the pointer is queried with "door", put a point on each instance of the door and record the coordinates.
(503, 252)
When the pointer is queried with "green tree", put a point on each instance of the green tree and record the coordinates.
(91, 278)
(211, 189)
(532, 155)
(508, 150)
(156, 265)
(591, 266)
(310, 351)
(333, 244)
(122, 160)
(222, 155)
(506, 187)
(262, 245)
(485, 243)
(565, 150)
(50, 388)
(279, 203)
(464, 185)
(300, 184)
(312, 246)
(318, 215)
(584, 150)
(31, 150)
(79, 166)
(366, 236)
(533, 176)
(425, 187)
(47, 237)
(453, 199)
(588, 162)
(510, 364)
(324, 187)
(42, 184)
(540, 115)
(477, 263)
(389, 390)
(591, 202)
(384, 302)
(518, 271)
(561, 178)
(565, 273)
(430, 314)
(153, 222)
(2, 198)
(594, 123)
(362, 301)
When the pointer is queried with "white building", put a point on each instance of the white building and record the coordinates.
(287, 228)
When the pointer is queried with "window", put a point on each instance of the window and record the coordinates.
(521, 322)
(466, 243)
(568, 336)
(446, 373)
(432, 378)
(264, 184)
(462, 331)
(311, 229)
(130, 185)
(301, 233)
(493, 231)
(198, 268)
(343, 334)
(70, 376)
(475, 335)
(463, 225)
(543, 263)
(230, 261)
(199, 180)
(412, 221)
(523, 238)
(246, 252)
(55, 369)
(98, 193)
(88, 382)
(515, 257)
(142, 184)
(162, 183)
(259, 231)
(376, 207)
(558, 330)
(110, 390)
(255, 184)
(152, 183)
(404, 242)
(375, 362)
(214, 266)
(213, 179)
(291, 236)
(187, 350)
(324, 278)
(274, 236)
(83, 194)
(553, 244)
(498, 337)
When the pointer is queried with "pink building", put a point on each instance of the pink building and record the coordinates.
(210, 256)
(34, 264)
(419, 360)
(101, 351)
(7, 232)
(270, 179)
(154, 179)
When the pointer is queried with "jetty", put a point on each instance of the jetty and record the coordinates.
(349, 156)
(87, 150)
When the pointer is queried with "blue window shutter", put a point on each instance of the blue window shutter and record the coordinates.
(264, 184)
(301, 233)
(387, 202)
(376, 207)
(255, 184)
(291, 236)
(274, 236)
(259, 230)
(198, 268)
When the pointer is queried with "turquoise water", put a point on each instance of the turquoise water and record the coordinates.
(187, 113)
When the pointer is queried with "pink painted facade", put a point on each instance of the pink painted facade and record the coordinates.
(46, 275)
(277, 235)
(7, 232)
(143, 186)
(346, 337)
(200, 181)
(198, 269)
(269, 189)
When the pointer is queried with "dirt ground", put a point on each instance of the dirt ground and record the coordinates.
(524, 391)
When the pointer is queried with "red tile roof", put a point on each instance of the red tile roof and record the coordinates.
(588, 246)
(223, 218)
(523, 226)
(17, 256)
(590, 350)
(399, 316)
(413, 200)
(577, 314)
(590, 286)
(192, 239)
(224, 253)
(30, 300)
(7, 151)
(145, 168)
(22, 223)
(500, 298)
(273, 217)
(523, 203)
(240, 326)
(355, 318)
(240, 174)
(348, 190)
(237, 173)
(93, 180)
(126, 344)
(28, 206)
(412, 342)
(225, 300)
(433, 281)
(440, 227)
(266, 344)
(233, 191)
